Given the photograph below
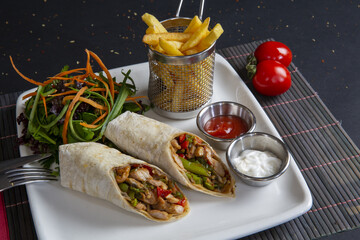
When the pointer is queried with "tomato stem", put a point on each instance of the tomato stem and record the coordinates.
(251, 66)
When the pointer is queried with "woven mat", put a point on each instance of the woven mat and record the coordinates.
(327, 157)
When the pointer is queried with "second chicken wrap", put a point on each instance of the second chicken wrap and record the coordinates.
(186, 157)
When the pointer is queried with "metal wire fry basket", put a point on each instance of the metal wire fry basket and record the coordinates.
(179, 86)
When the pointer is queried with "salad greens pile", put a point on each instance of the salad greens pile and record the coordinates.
(75, 106)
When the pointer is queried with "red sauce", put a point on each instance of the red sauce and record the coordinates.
(226, 126)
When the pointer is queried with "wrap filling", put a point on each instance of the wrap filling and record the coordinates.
(149, 190)
(200, 163)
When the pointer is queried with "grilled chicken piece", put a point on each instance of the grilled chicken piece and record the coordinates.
(140, 206)
(191, 152)
(134, 183)
(159, 214)
(178, 160)
(140, 174)
(149, 197)
(218, 167)
(199, 152)
(171, 199)
(207, 153)
(175, 144)
(168, 207)
(158, 183)
(175, 208)
(122, 174)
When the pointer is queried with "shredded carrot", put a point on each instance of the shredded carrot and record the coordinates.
(23, 76)
(76, 78)
(71, 92)
(59, 75)
(69, 84)
(88, 101)
(101, 64)
(68, 113)
(76, 70)
(29, 95)
(84, 124)
(99, 118)
(44, 101)
(88, 66)
(134, 100)
(93, 75)
(63, 93)
(84, 81)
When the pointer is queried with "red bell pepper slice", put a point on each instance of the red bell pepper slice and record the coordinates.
(162, 192)
(182, 138)
(185, 144)
(182, 202)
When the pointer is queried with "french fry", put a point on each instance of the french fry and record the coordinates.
(150, 20)
(152, 29)
(193, 25)
(192, 51)
(214, 34)
(153, 39)
(197, 36)
(159, 49)
(170, 48)
(177, 44)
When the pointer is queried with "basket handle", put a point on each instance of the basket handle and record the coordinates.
(201, 9)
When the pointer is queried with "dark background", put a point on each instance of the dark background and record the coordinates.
(43, 36)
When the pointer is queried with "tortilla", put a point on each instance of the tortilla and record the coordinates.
(150, 140)
(90, 168)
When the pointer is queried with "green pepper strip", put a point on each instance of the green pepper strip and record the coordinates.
(117, 107)
(71, 126)
(36, 130)
(48, 93)
(61, 114)
(208, 184)
(108, 106)
(124, 187)
(44, 135)
(195, 178)
(34, 107)
(195, 168)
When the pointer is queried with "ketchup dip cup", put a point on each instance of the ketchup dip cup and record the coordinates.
(224, 108)
(261, 142)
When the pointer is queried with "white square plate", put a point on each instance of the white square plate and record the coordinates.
(61, 213)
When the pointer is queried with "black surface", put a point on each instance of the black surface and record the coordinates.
(42, 36)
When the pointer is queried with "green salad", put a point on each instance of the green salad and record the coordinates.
(75, 106)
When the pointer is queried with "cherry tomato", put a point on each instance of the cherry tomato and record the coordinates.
(273, 50)
(271, 78)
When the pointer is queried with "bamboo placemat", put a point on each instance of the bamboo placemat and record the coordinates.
(327, 157)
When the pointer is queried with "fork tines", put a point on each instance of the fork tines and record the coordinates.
(29, 174)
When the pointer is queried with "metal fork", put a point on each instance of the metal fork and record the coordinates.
(20, 176)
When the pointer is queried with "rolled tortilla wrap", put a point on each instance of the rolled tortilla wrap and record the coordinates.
(158, 143)
(129, 183)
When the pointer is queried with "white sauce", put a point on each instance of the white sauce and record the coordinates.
(257, 163)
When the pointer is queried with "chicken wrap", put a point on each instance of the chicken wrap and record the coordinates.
(186, 157)
(132, 184)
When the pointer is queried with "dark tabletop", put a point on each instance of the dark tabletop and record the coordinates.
(324, 36)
